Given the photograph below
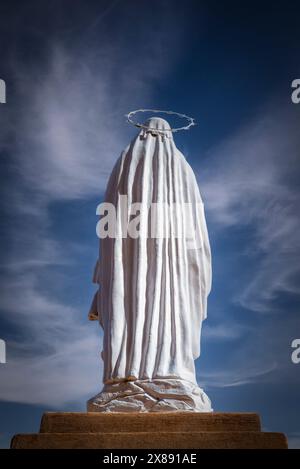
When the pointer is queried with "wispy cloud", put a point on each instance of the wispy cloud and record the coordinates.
(68, 129)
(251, 183)
(51, 346)
(70, 122)
(225, 331)
(236, 376)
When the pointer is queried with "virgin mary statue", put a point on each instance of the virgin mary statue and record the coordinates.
(153, 281)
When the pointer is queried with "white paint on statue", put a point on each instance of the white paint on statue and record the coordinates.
(152, 295)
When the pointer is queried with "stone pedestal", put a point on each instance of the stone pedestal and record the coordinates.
(165, 430)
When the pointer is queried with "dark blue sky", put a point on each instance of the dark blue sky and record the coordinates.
(72, 70)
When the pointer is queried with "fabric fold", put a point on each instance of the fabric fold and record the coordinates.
(153, 289)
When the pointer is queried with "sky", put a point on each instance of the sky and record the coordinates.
(73, 69)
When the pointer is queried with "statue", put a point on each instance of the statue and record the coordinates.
(153, 288)
(154, 276)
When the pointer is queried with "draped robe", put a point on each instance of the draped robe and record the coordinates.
(152, 295)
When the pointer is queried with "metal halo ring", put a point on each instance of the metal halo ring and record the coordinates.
(191, 120)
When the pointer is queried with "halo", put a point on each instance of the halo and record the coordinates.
(191, 120)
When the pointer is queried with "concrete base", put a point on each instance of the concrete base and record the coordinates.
(166, 430)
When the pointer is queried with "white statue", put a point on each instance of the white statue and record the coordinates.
(153, 289)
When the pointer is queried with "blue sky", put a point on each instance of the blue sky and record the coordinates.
(72, 70)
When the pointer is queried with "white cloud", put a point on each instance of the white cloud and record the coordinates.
(223, 331)
(69, 125)
(237, 375)
(56, 358)
(66, 373)
(250, 182)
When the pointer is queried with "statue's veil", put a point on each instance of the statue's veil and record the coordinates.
(153, 291)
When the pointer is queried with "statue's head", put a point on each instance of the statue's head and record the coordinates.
(157, 126)
(157, 123)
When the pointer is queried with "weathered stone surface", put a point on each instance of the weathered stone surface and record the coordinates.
(91, 422)
(151, 440)
(155, 395)
(169, 430)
